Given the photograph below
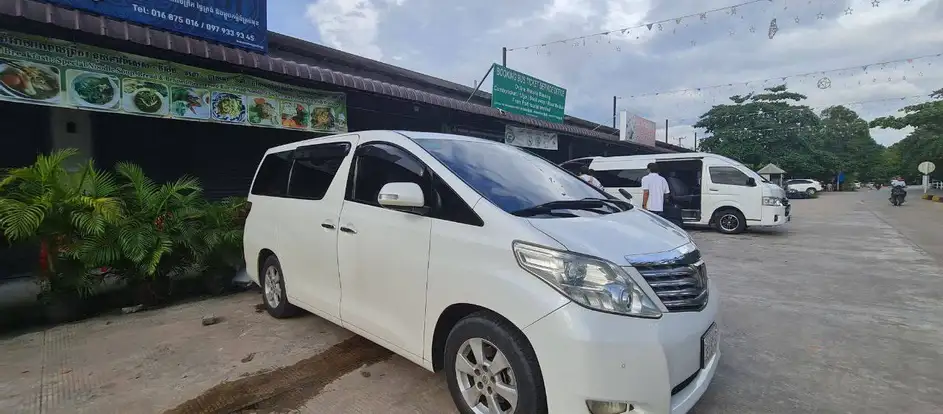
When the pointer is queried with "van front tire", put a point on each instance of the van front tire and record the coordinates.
(730, 221)
(488, 361)
(274, 295)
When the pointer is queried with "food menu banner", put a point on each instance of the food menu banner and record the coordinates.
(241, 23)
(57, 73)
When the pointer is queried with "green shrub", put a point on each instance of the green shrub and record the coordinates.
(93, 222)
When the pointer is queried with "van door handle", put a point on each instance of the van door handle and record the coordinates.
(348, 230)
(328, 226)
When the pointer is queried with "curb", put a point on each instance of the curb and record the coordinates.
(938, 199)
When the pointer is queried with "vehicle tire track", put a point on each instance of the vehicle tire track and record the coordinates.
(310, 375)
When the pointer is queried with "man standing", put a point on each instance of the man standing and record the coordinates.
(654, 189)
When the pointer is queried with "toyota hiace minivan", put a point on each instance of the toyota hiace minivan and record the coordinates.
(534, 291)
(708, 189)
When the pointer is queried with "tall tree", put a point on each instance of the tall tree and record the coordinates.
(846, 138)
(766, 127)
(925, 143)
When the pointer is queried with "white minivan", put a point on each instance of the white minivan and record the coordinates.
(708, 189)
(534, 291)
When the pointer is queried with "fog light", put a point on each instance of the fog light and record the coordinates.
(607, 407)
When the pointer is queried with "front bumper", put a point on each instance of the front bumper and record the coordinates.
(652, 364)
(773, 216)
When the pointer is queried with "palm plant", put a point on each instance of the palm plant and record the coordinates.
(220, 248)
(46, 203)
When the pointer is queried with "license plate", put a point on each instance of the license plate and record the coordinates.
(709, 343)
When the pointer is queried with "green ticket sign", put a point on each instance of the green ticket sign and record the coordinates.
(522, 94)
(43, 71)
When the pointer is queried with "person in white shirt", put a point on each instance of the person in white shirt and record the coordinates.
(586, 174)
(654, 190)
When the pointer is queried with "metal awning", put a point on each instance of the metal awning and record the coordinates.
(103, 26)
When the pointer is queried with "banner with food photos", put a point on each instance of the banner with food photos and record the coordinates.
(51, 72)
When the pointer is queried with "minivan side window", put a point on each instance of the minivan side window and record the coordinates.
(272, 178)
(621, 178)
(728, 176)
(314, 169)
(378, 164)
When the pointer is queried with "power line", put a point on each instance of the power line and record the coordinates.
(677, 19)
(782, 78)
(780, 111)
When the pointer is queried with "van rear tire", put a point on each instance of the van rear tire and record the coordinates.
(274, 294)
(730, 221)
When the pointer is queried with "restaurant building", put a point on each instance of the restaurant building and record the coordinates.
(176, 104)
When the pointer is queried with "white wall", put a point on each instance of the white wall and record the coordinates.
(80, 137)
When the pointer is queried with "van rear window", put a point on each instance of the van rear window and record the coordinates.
(272, 178)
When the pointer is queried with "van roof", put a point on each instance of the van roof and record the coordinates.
(407, 134)
(682, 155)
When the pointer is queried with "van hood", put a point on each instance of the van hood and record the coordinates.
(773, 190)
(614, 236)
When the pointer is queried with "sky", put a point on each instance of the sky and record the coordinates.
(674, 73)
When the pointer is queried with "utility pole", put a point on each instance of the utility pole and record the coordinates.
(680, 139)
(614, 115)
(504, 56)
(695, 141)
(666, 131)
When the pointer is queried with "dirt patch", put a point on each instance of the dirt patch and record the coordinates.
(287, 388)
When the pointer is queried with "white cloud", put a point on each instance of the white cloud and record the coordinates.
(459, 41)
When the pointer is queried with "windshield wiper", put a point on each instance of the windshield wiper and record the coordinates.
(619, 204)
(589, 204)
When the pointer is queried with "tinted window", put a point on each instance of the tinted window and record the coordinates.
(621, 178)
(451, 207)
(314, 169)
(379, 164)
(728, 176)
(272, 178)
(508, 177)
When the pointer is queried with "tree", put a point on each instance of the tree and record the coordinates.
(766, 127)
(925, 143)
(846, 139)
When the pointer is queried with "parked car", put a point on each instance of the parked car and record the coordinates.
(808, 186)
(709, 189)
(534, 291)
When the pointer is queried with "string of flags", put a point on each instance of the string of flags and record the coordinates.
(672, 25)
(890, 71)
(895, 103)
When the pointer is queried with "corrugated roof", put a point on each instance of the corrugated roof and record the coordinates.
(103, 26)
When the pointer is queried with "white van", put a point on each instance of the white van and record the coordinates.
(533, 290)
(709, 189)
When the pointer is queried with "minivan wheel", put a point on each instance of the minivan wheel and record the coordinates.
(730, 221)
(273, 290)
(491, 369)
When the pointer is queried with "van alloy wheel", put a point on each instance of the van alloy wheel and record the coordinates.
(273, 287)
(485, 378)
(729, 222)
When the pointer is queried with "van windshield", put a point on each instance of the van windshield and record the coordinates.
(508, 177)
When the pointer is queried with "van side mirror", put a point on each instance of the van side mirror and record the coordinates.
(401, 196)
(751, 182)
(625, 194)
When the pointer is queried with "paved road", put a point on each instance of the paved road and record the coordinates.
(840, 313)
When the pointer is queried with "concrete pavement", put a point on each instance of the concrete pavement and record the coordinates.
(842, 312)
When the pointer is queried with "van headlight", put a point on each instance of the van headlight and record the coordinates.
(591, 282)
(772, 201)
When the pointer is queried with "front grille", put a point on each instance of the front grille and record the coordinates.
(681, 287)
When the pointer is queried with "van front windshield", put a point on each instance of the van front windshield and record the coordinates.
(508, 177)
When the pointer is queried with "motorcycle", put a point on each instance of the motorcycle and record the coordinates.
(898, 194)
